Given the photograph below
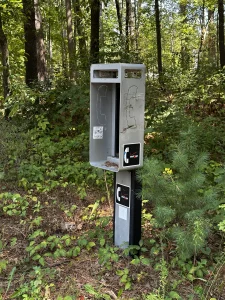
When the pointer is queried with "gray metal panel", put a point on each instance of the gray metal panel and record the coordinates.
(132, 113)
(102, 111)
(96, 75)
(122, 213)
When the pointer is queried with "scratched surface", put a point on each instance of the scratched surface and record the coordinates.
(101, 104)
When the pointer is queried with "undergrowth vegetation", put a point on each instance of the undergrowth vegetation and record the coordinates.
(56, 210)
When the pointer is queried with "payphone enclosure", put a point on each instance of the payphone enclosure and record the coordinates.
(117, 116)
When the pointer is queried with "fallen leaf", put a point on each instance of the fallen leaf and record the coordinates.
(79, 226)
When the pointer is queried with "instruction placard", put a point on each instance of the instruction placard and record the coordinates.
(98, 132)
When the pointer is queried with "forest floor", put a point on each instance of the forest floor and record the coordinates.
(98, 271)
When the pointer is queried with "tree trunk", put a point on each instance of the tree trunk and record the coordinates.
(41, 60)
(5, 60)
(71, 48)
(211, 38)
(95, 24)
(30, 42)
(80, 34)
(184, 52)
(136, 7)
(221, 33)
(49, 52)
(128, 26)
(203, 34)
(158, 39)
(119, 17)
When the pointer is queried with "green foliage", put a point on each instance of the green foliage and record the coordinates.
(3, 265)
(51, 148)
(44, 145)
(161, 293)
(13, 204)
(14, 141)
(37, 287)
(181, 195)
(42, 246)
(107, 255)
(191, 270)
(221, 225)
(125, 279)
(97, 295)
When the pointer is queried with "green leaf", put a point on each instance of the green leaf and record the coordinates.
(127, 285)
(123, 278)
(82, 242)
(36, 257)
(68, 242)
(68, 298)
(3, 265)
(145, 261)
(119, 272)
(115, 257)
(174, 295)
(76, 251)
(94, 208)
(135, 261)
(141, 243)
(102, 242)
(90, 245)
(10, 278)
(89, 289)
(42, 261)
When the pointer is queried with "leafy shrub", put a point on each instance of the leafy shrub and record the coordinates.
(58, 135)
(14, 141)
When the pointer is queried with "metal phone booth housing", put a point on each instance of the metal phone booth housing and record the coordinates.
(117, 116)
(117, 101)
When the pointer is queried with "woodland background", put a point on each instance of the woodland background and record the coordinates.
(55, 209)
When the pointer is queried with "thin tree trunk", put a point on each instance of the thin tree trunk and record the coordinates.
(5, 60)
(221, 33)
(63, 48)
(128, 25)
(30, 42)
(41, 60)
(64, 55)
(71, 48)
(79, 32)
(49, 52)
(202, 37)
(158, 39)
(136, 27)
(95, 25)
(211, 38)
(119, 17)
(184, 53)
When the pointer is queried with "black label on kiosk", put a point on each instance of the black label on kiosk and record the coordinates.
(123, 195)
(131, 155)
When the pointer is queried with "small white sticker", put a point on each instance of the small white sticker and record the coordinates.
(98, 132)
(122, 212)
